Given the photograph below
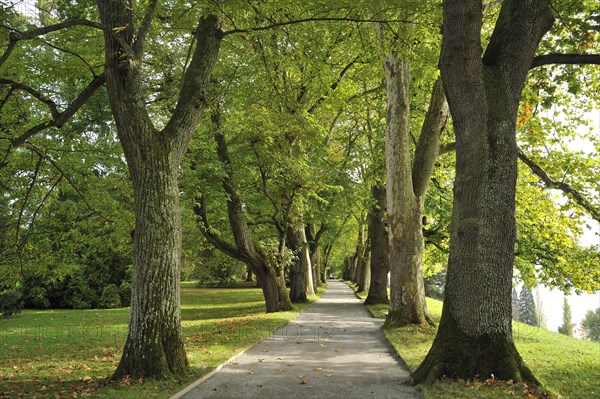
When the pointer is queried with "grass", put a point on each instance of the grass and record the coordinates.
(70, 353)
(567, 367)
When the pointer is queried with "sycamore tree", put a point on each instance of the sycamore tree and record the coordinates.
(474, 339)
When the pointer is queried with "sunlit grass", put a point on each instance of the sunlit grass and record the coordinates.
(69, 353)
(567, 367)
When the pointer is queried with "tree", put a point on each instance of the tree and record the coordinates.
(527, 310)
(407, 184)
(474, 339)
(567, 326)
(542, 321)
(154, 345)
(515, 305)
(590, 325)
(268, 270)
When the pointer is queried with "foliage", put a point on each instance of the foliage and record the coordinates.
(110, 298)
(527, 310)
(69, 353)
(11, 301)
(434, 285)
(590, 325)
(567, 326)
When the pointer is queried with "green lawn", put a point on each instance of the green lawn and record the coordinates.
(567, 367)
(69, 353)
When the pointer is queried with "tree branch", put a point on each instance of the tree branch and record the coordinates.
(138, 45)
(428, 146)
(16, 36)
(333, 86)
(44, 156)
(564, 187)
(211, 237)
(311, 19)
(62, 118)
(36, 94)
(569, 59)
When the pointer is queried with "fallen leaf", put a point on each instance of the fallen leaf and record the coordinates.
(265, 350)
(328, 375)
(262, 360)
(318, 369)
(259, 385)
(279, 358)
(338, 350)
(252, 373)
(281, 370)
(303, 382)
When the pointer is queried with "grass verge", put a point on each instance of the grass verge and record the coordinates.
(70, 353)
(567, 367)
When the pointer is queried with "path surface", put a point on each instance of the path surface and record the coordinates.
(334, 349)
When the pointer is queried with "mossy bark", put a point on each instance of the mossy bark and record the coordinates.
(456, 354)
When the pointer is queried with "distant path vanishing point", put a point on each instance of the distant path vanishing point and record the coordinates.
(334, 349)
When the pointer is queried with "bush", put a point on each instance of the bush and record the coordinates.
(125, 293)
(37, 298)
(11, 301)
(110, 297)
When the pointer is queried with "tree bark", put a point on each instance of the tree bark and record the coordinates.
(474, 339)
(154, 345)
(301, 284)
(407, 290)
(315, 251)
(379, 264)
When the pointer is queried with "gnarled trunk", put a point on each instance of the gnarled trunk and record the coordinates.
(475, 339)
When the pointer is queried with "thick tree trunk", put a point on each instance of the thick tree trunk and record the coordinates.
(379, 264)
(407, 290)
(249, 274)
(474, 339)
(154, 345)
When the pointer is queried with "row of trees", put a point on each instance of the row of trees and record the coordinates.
(303, 147)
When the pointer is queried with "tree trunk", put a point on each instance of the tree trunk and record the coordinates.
(474, 339)
(249, 274)
(315, 251)
(301, 284)
(358, 257)
(379, 264)
(154, 345)
(365, 271)
(407, 290)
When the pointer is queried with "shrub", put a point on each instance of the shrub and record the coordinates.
(110, 297)
(11, 301)
(125, 293)
(37, 298)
